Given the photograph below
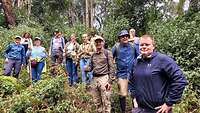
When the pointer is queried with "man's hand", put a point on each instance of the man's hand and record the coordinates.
(22, 66)
(163, 108)
(29, 47)
(64, 54)
(108, 87)
(6, 60)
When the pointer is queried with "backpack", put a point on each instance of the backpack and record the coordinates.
(116, 46)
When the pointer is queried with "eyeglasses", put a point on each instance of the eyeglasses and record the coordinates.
(124, 36)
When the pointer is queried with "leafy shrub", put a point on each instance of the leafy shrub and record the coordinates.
(50, 95)
(111, 27)
(8, 86)
(78, 29)
(180, 39)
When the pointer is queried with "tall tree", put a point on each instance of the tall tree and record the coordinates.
(9, 15)
(89, 12)
(180, 7)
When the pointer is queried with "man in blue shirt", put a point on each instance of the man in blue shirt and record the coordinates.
(15, 57)
(124, 55)
(156, 80)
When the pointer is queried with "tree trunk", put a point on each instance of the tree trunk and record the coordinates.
(29, 8)
(87, 13)
(91, 13)
(9, 15)
(180, 7)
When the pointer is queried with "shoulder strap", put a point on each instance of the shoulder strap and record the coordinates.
(91, 61)
(63, 42)
(117, 49)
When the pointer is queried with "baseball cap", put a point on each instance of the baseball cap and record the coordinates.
(98, 38)
(37, 38)
(122, 33)
(18, 37)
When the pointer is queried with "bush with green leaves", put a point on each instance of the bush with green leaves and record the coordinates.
(180, 39)
(111, 28)
(78, 29)
(8, 86)
(49, 95)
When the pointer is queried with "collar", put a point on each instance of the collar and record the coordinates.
(122, 44)
(152, 55)
(101, 51)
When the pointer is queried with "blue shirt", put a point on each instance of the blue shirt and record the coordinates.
(124, 55)
(156, 80)
(15, 52)
(37, 52)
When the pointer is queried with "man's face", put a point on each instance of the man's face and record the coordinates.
(84, 39)
(146, 46)
(37, 42)
(17, 41)
(99, 44)
(124, 39)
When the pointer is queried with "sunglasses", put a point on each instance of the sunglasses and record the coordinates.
(124, 36)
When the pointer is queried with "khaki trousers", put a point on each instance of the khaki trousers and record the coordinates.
(101, 94)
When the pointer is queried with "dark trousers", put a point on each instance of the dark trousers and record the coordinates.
(14, 65)
(144, 110)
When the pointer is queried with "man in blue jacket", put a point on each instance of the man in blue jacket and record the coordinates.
(156, 80)
(124, 55)
(15, 57)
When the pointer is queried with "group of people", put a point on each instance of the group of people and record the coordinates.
(154, 80)
(23, 52)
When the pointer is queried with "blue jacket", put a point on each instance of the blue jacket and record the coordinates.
(124, 55)
(15, 52)
(156, 81)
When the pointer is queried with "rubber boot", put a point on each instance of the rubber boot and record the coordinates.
(122, 101)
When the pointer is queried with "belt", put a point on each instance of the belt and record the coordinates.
(98, 75)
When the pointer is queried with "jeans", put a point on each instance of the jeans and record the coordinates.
(72, 71)
(37, 71)
(84, 74)
(8, 66)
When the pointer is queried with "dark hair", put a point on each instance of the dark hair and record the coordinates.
(24, 34)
